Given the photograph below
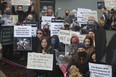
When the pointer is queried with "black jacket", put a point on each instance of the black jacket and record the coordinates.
(21, 14)
(57, 44)
(3, 6)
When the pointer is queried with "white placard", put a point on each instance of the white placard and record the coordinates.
(22, 31)
(20, 2)
(84, 14)
(40, 61)
(46, 20)
(65, 36)
(100, 70)
(81, 15)
(109, 4)
(55, 27)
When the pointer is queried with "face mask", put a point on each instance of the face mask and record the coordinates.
(87, 45)
(53, 41)
(66, 14)
(30, 19)
(66, 26)
(7, 12)
(81, 54)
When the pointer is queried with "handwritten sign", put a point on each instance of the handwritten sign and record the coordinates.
(20, 2)
(65, 36)
(110, 4)
(7, 35)
(100, 70)
(40, 61)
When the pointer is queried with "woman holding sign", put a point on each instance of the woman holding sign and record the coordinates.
(45, 48)
(80, 60)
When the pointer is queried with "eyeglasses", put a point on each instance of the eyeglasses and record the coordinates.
(39, 33)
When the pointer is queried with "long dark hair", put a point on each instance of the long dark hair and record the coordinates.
(48, 44)
(77, 59)
(91, 40)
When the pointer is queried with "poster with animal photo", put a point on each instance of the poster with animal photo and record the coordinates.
(22, 38)
(9, 20)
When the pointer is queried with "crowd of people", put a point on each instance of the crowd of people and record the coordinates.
(80, 55)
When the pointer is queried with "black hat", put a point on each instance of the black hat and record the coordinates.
(81, 45)
(69, 20)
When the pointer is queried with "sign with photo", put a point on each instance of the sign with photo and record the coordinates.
(20, 2)
(22, 38)
(9, 20)
(40, 61)
(66, 36)
(100, 70)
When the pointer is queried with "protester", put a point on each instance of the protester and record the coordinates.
(7, 11)
(91, 34)
(50, 11)
(29, 18)
(106, 17)
(36, 40)
(20, 12)
(72, 47)
(66, 12)
(56, 44)
(93, 57)
(113, 19)
(67, 23)
(76, 27)
(80, 60)
(88, 41)
(3, 5)
(46, 29)
(45, 48)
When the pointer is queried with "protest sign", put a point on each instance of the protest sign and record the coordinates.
(46, 20)
(55, 27)
(20, 2)
(84, 14)
(22, 38)
(40, 61)
(7, 35)
(100, 70)
(66, 36)
(109, 4)
(9, 20)
(81, 15)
